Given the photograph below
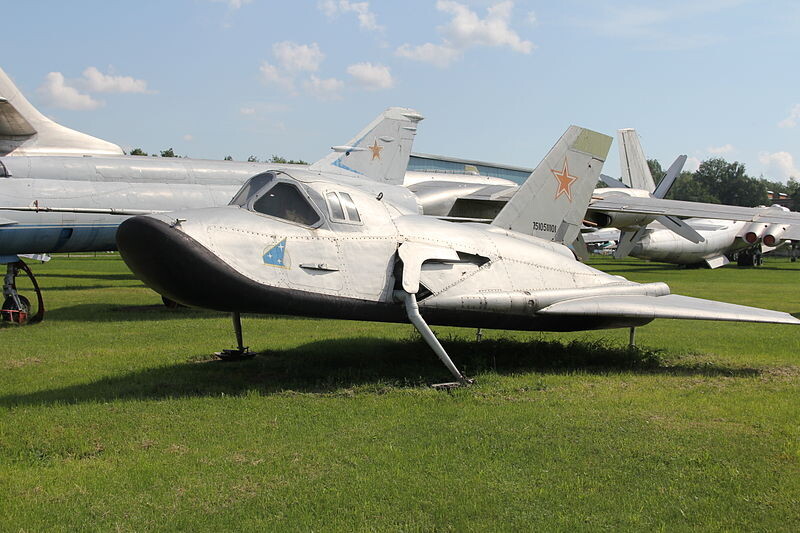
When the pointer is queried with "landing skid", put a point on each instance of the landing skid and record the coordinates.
(16, 308)
(412, 310)
(241, 352)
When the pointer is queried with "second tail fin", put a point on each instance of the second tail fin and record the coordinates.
(380, 152)
(632, 162)
(25, 131)
(552, 202)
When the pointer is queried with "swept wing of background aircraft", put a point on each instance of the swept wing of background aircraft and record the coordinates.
(310, 243)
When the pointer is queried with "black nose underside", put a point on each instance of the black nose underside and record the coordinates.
(175, 265)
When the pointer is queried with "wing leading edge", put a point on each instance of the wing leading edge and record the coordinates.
(667, 306)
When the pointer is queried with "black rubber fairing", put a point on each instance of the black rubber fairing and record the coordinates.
(180, 268)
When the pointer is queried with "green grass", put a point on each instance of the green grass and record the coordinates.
(114, 417)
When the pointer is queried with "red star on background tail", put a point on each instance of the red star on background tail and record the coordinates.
(565, 181)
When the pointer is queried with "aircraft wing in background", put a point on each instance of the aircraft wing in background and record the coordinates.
(657, 206)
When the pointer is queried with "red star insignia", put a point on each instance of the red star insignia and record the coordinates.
(565, 181)
(376, 150)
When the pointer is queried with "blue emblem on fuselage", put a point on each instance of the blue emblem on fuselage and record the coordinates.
(276, 255)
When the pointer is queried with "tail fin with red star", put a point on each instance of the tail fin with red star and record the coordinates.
(380, 152)
(552, 202)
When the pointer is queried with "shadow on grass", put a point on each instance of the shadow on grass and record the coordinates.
(89, 275)
(124, 313)
(373, 364)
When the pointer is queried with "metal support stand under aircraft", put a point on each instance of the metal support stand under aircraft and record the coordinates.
(632, 338)
(412, 310)
(240, 352)
(16, 307)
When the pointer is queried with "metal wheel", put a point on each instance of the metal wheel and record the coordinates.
(14, 312)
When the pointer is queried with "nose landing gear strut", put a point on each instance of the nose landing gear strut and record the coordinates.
(16, 307)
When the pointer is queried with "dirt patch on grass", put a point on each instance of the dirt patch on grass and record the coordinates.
(19, 363)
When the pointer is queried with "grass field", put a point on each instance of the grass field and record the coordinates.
(114, 417)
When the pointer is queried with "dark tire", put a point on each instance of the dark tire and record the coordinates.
(16, 314)
(171, 304)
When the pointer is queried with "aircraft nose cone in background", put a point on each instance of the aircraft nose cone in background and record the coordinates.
(173, 264)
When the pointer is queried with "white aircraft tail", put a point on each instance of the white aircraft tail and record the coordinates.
(552, 202)
(380, 152)
(25, 131)
(632, 161)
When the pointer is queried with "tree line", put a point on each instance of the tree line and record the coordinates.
(169, 152)
(717, 181)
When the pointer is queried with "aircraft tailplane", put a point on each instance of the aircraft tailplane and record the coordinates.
(25, 131)
(552, 202)
(632, 161)
(380, 152)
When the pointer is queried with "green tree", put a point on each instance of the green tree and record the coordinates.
(228, 158)
(252, 159)
(689, 189)
(138, 151)
(656, 171)
(729, 183)
(283, 161)
(169, 152)
(793, 190)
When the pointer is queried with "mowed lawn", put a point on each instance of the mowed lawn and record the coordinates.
(113, 416)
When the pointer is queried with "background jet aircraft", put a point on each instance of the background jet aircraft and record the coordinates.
(722, 239)
(313, 244)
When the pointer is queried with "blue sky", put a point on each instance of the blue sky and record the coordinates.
(496, 81)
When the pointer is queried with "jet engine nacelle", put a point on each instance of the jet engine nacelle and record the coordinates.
(754, 232)
(618, 220)
(772, 235)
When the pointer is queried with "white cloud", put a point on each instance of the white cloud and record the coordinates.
(271, 75)
(440, 55)
(791, 120)
(188, 137)
(366, 19)
(372, 77)
(97, 82)
(466, 29)
(57, 93)
(324, 89)
(779, 165)
(692, 164)
(262, 108)
(719, 150)
(233, 4)
(659, 28)
(295, 57)
(532, 19)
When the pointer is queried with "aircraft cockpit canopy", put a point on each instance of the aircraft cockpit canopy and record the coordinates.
(281, 199)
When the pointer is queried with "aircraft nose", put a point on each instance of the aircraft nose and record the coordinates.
(174, 264)
(156, 252)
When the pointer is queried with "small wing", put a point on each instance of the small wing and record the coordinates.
(83, 210)
(669, 178)
(668, 306)
(613, 182)
(7, 221)
(678, 208)
(380, 152)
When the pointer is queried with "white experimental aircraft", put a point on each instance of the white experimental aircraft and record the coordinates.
(309, 242)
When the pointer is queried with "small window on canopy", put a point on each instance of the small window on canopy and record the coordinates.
(251, 187)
